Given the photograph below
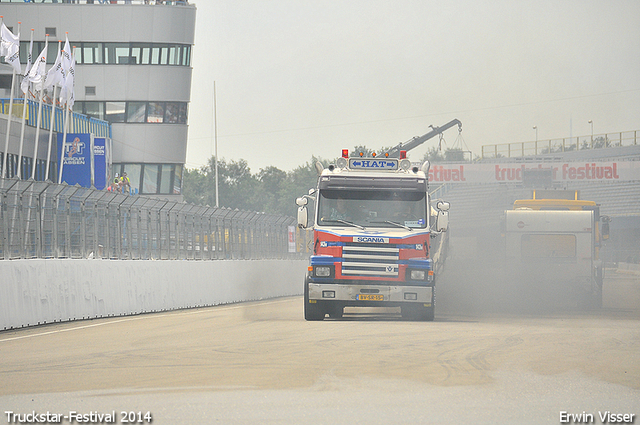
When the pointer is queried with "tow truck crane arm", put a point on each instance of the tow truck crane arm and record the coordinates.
(418, 140)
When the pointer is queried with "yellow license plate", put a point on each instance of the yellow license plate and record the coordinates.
(370, 297)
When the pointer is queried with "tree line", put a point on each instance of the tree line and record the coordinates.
(270, 190)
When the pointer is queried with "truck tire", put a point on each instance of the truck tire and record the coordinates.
(596, 298)
(418, 312)
(336, 311)
(597, 287)
(312, 311)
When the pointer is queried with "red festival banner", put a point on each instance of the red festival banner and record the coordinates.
(512, 172)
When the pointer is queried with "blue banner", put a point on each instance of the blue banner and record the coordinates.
(77, 159)
(102, 162)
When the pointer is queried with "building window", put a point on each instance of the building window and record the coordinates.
(51, 31)
(5, 83)
(114, 111)
(172, 113)
(91, 53)
(94, 109)
(164, 55)
(141, 53)
(177, 180)
(155, 113)
(133, 112)
(136, 111)
(116, 53)
(155, 55)
(182, 117)
(166, 171)
(89, 90)
(52, 52)
(150, 179)
(133, 172)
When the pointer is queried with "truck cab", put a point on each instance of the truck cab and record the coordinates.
(373, 225)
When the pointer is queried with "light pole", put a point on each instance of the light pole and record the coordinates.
(215, 142)
(591, 122)
(535, 127)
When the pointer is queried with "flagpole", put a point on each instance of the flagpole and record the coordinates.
(215, 139)
(68, 95)
(39, 118)
(25, 90)
(9, 117)
(51, 122)
(64, 140)
(24, 114)
(38, 123)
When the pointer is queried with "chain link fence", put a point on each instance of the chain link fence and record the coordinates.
(540, 147)
(47, 220)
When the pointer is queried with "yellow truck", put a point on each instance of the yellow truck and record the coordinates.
(554, 241)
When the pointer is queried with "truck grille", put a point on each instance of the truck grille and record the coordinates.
(370, 260)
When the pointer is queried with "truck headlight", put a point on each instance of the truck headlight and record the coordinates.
(418, 274)
(323, 271)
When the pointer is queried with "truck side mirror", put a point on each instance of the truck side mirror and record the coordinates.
(605, 227)
(442, 205)
(442, 221)
(302, 216)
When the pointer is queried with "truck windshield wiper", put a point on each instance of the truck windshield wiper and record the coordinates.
(348, 223)
(395, 224)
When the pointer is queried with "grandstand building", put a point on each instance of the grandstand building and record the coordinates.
(133, 70)
(609, 176)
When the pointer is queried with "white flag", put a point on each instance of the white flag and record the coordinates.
(25, 80)
(3, 45)
(67, 94)
(66, 68)
(11, 48)
(54, 75)
(38, 69)
(66, 56)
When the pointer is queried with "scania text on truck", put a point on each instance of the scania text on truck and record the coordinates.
(372, 238)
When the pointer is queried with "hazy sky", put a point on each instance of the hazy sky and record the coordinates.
(300, 78)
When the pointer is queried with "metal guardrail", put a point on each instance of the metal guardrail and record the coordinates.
(596, 141)
(47, 220)
(159, 2)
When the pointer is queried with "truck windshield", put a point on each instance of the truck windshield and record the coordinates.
(372, 208)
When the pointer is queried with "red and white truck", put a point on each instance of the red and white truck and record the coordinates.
(375, 237)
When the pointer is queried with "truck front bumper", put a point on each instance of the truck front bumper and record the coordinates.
(360, 295)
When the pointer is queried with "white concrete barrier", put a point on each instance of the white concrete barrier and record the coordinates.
(41, 291)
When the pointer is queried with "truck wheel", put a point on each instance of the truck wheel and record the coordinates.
(429, 314)
(312, 311)
(418, 312)
(596, 298)
(336, 312)
(597, 288)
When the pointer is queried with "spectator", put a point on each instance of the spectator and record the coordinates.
(126, 183)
